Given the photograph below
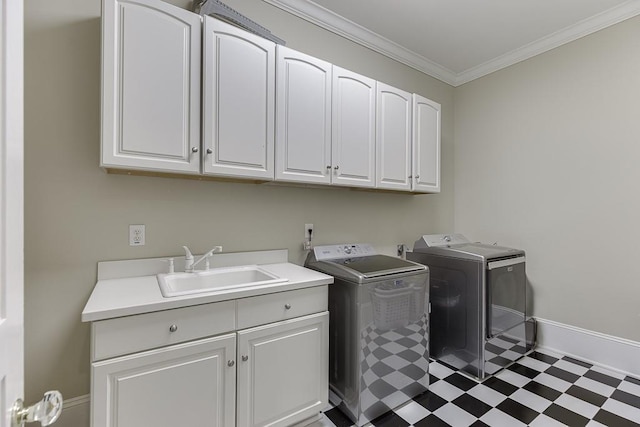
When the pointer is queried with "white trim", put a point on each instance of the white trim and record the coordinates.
(583, 28)
(335, 23)
(617, 354)
(75, 412)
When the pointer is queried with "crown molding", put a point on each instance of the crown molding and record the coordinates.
(335, 23)
(324, 18)
(583, 28)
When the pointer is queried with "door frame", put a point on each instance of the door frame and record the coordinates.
(12, 201)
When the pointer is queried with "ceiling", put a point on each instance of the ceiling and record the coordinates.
(458, 41)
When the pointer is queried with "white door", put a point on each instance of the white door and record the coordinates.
(11, 184)
(303, 117)
(426, 145)
(187, 384)
(238, 102)
(393, 138)
(353, 129)
(150, 86)
(11, 229)
(283, 371)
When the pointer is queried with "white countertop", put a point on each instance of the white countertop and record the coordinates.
(137, 294)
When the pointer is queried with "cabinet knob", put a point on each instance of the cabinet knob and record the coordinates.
(336, 167)
(417, 176)
(230, 363)
(410, 176)
(209, 151)
(194, 149)
(328, 166)
(245, 358)
(287, 306)
(173, 328)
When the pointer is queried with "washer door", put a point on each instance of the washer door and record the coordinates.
(506, 295)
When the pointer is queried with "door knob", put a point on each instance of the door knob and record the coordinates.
(46, 411)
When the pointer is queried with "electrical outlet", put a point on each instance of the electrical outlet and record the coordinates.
(308, 235)
(136, 235)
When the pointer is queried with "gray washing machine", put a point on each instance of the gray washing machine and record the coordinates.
(478, 293)
(378, 328)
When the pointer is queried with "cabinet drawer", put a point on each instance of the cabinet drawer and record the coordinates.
(124, 335)
(269, 308)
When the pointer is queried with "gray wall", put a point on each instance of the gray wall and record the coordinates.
(546, 158)
(77, 215)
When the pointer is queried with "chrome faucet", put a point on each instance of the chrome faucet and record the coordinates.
(189, 263)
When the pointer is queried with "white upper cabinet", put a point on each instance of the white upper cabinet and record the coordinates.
(303, 118)
(393, 138)
(151, 59)
(426, 145)
(238, 102)
(353, 129)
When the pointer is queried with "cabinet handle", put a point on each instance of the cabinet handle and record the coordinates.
(287, 306)
(245, 358)
(209, 151)
(173, 328)
(194, 149)
(230, 363)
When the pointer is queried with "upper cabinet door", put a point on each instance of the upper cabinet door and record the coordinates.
(353, 129)
(239, 102)
(393, 138)
(151, 59)
(426, 145)
(303, 117)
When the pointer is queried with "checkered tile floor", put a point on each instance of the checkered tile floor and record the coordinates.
(541, 389)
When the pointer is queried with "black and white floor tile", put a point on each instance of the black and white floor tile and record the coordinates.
(541, 389)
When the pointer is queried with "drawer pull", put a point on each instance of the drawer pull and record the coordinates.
(230, 363)
(173, 328)
(287, 306)
(245, 358)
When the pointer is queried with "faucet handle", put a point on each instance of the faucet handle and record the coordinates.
(171, 265)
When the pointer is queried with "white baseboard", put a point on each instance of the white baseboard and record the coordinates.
(608, 351)
(75, 412)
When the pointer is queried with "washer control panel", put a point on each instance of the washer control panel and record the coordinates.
(432, 240)
(348, 250)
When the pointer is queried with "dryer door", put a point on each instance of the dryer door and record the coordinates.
(506, 295)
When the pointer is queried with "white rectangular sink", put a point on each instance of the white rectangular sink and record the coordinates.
(214, 280)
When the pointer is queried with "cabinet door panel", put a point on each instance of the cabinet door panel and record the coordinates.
(426, 145)
(393, 138)
(353, 124)
(239, 102)
(285, 377)
(181, 385)
(303, 118)
(151, 86)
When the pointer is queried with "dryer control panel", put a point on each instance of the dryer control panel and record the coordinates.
(347, 250)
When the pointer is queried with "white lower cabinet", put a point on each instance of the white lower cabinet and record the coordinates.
(282, 371)
(189, 366)
(183, 385)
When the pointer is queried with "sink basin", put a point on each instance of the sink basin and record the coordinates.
(218, 279)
